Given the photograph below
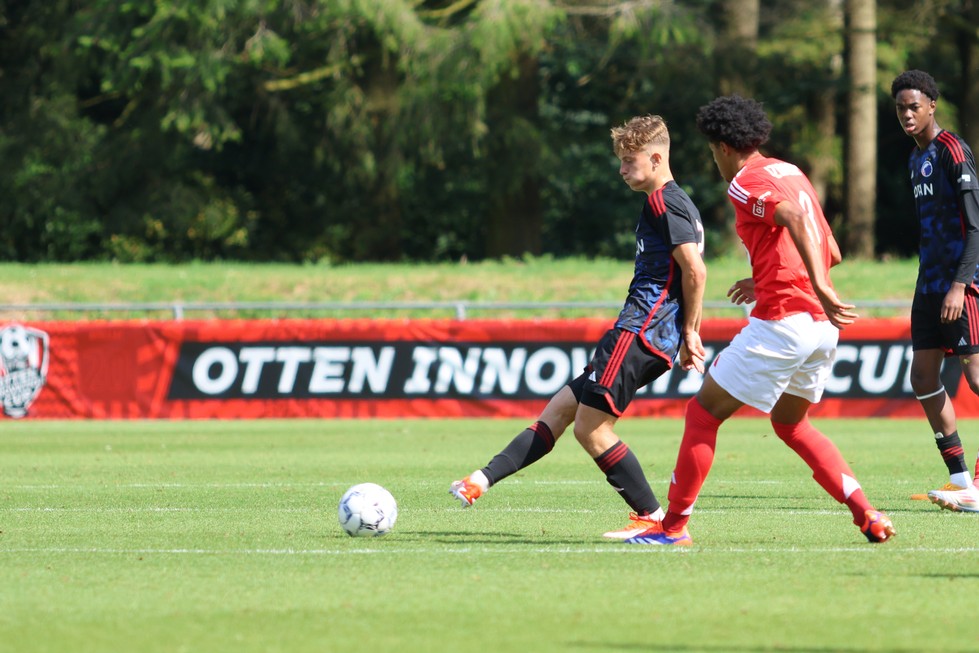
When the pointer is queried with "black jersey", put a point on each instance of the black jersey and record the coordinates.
(941, 175)
(654, 307)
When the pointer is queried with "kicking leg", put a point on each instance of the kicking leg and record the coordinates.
(529, 446)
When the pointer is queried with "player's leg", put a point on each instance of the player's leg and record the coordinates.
(739, 375)
(621, 365)
(790, 419)
(593, 429)
(970, 371)
(791, 423)
(961, 338)
(926, 383)
(969, 354)
(931, 340)
(959, 493)
(529, 446)
(704, 415)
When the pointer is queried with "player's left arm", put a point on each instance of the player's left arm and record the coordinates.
(963, 177)
(803, 232)
(835, 256)
(694, 279)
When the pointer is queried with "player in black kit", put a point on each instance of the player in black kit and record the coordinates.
(945, 311)
(659, 323)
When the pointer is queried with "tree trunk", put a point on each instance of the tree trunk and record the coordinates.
(736, 47)
(968, 40)
(514, 222)
(378, 236)
(861, 134)
(823, 157)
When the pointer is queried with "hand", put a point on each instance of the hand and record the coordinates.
(742, 292)
(953, 303)
(839, 314)
(692, 353)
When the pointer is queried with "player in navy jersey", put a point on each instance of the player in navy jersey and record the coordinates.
(945, 310)
(659, 323)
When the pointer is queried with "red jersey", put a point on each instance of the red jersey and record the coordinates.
(782, 285)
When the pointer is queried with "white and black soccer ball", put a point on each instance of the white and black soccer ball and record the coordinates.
(367, 510)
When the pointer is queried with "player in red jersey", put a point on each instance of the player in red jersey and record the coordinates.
(781, 361)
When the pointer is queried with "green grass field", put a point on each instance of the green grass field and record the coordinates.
(222, 536)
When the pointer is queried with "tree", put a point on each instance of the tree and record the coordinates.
(800, 79)
(861, 133)
(966, 26)
(737, 45)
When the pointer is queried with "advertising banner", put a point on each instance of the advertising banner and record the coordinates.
(384, 368)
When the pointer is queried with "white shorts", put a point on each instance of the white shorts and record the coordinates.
(771, 357)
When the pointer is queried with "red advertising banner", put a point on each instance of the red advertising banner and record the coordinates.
(384, 368)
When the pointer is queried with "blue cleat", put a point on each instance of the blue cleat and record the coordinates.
(656, 535)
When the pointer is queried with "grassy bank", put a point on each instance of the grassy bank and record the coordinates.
(537, 281)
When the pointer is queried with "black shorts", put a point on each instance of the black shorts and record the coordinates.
(620, 367)
(929, 332)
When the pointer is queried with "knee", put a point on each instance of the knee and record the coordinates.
(583, 433)
(923, 383)
(787, 432)
(974, 386)
(971, 374)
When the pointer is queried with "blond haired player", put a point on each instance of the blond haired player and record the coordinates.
(659, 322)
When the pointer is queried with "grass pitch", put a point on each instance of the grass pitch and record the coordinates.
(222, 536)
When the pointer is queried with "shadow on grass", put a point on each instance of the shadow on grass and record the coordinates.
(461, 537)
(646, 646)
(467, 537)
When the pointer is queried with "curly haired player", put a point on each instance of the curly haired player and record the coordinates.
(780, 362)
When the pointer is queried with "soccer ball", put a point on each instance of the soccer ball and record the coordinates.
(367, 510)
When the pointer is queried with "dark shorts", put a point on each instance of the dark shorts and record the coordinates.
(929, 332)
(620, 367)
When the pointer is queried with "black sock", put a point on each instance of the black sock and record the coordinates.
(624, 473)
(950, 447)
(527, 448)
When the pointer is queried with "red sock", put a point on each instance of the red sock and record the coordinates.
(693, 463)
(827, 464)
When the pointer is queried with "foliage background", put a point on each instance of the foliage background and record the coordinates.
(397, 130)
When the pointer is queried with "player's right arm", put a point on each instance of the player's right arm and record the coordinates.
(790, 215)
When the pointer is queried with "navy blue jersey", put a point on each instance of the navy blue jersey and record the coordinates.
(654, 307)
(943, 175)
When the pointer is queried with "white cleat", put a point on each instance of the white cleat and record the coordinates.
(636, 525)
(964, 500)
(465, 491)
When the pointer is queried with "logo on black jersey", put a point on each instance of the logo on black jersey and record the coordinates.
(927, 168)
